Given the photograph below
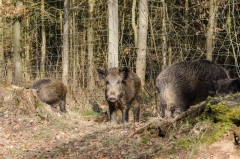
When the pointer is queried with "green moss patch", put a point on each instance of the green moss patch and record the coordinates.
(221, 113)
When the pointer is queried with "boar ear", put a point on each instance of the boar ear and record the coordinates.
(124, 72)
(102, 73)
(230, 73)
(234, 86)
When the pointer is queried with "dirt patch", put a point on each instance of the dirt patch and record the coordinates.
(84, 134)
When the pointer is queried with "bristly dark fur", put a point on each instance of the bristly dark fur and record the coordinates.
(41, 82)
(186, 83)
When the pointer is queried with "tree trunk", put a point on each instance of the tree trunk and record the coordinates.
(1, 48)
(16, 49)
(73, 49)
(43, 48)
(164, 35)
(142, 40)
(27, 52)
(65, 44)
(113, 33)
(134, 26)
(82, 62)
(231, 31)
(210, 32)
(186, 44)
(90, 45)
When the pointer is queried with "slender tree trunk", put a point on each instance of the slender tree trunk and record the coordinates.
(113, 33)
(231, 32)
(1, 47)
(164, 35)
(210, 32)
(90, 45)
(16, 49)
(83, 55)
(65, 44)
(43, 48)
(28, 55)
(186, 29)
(142, 40)
(134, 26)
(27, 52)
(73, 49)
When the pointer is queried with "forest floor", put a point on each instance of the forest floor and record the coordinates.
(81, 135)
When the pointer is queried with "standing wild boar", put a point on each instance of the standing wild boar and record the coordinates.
(186, 83)
(223, 87)
(123, 91)
(52, 92)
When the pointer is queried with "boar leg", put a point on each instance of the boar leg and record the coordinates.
(163, 107)
(136, 108)
(113, 114)
(62, 106)
(125, 112)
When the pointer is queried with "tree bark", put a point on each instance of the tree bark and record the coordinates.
(164, 35)
(134, 26)
(113, 33)
(91, 84)
(1, 47)
(142, 40)
(210, 32)
(43, 47)
(16, 49)
(27, 52)
(65, 44)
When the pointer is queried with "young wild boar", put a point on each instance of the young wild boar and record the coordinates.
(186, 83)
(123, 91)
(226, 86)
(52, 92)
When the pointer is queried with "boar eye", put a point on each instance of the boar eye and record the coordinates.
(107, 82)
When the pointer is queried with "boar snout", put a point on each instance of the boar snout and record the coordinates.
(112, 99)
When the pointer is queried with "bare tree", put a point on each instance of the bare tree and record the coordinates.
(1, 47)
(164, 35)
(231, 31)
(90, 45)
(26, 61)
(16, 49)
(210, 32)
(43, 47)
(65, 44)
(142, 40)
(134, 26)
(113, 33)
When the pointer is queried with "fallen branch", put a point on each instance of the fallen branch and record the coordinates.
(162, 125)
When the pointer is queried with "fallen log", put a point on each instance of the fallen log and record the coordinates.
(162, 126)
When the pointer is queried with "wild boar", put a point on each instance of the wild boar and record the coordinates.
(123, 92)
(186, 83)
(52, 92)
(226, 86)
(232, 73)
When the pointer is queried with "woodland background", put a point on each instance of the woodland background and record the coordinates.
(69, 39)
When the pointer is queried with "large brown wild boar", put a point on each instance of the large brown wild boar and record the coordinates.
(123, 91)
(186, 83)
(52, 92)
